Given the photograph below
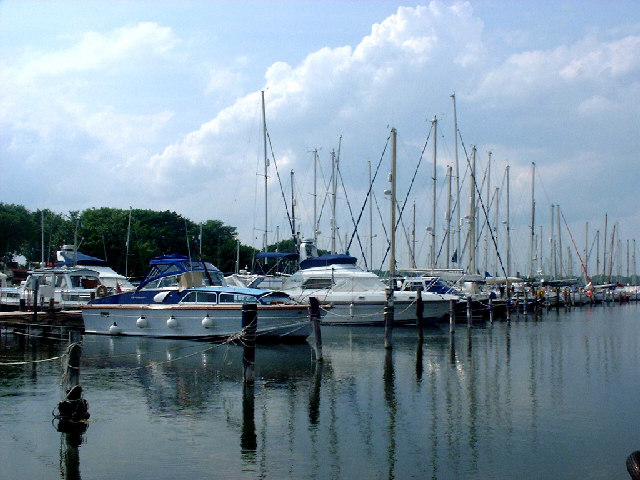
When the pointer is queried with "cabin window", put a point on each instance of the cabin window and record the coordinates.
(61, 282)
(200, 297)
(168, 282)
(237, 298)
(317, 283)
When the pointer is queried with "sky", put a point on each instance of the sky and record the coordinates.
(157, 105)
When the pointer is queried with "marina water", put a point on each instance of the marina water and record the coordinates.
(548, 397)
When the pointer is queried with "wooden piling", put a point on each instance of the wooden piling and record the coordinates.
(469, 313)
(35, 301)
(314, 316)
(525, 305)
(249, 327)
(490, 311)
(419, 307)
(74, 352)
(452, 316)
(419, 312)
(388, 319)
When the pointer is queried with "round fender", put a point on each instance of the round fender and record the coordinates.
(633, 465)
(101, 291)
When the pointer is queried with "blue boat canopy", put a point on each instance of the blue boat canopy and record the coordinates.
(278, 255)
(86, 260)
(177, 264)
(328, 259)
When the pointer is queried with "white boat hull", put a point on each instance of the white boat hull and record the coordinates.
(368, 308)
(275, 323)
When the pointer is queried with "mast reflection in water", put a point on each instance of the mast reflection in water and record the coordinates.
(552, 397)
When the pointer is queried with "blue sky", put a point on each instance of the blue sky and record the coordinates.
(157, 105)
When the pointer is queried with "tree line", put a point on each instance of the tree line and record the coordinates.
(103, 233)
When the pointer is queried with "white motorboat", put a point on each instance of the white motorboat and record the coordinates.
(356, 296)
(180, 298)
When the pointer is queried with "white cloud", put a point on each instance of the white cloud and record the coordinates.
(95, 51)
(534, 73)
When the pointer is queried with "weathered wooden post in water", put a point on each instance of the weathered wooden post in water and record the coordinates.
(249, 327)
(74, 352)
(490, 311)
(388, 319)
(419, 311)
(314, 314)
(73, 411)
(469, 313)
(35, 300)
(452, 316)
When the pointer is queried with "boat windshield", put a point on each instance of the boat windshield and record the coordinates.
(276, 298)
(359, 284)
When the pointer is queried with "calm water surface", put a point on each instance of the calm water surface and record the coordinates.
(552, 398)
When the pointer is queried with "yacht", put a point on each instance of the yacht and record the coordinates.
(356, 296)
(181, 298)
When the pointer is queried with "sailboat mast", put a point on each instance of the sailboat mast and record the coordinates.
(487, 232)
(559, 239)
(472, 214)
(266, 176)
(42, 238)
(604, 253)
(370, 221)
(294, 234)
(434, 123)
(457, 244)
(532, 251)
(334, 189)
(126, 259)
(586, 250)
(315, 197)
(413, 237)
(392, 257)
(448, 216)
(508, 229)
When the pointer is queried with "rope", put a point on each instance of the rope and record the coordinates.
(5, 364)
(369, 191)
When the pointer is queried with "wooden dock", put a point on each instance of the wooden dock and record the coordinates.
(67, 318)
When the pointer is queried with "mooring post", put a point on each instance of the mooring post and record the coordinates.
(419, 312)
(490, 311)
(469, 313)
(452, 316)
(388, 319)
(419, 307)
(249, 327)
(314, 316)
(35, 301)
(74, 352)
(525, 305)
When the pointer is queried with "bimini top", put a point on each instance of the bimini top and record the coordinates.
(278, 255)
(328, 259)
(66, 259)
(177, 264)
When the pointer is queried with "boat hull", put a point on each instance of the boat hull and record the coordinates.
(348, 312)
(276, 323)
